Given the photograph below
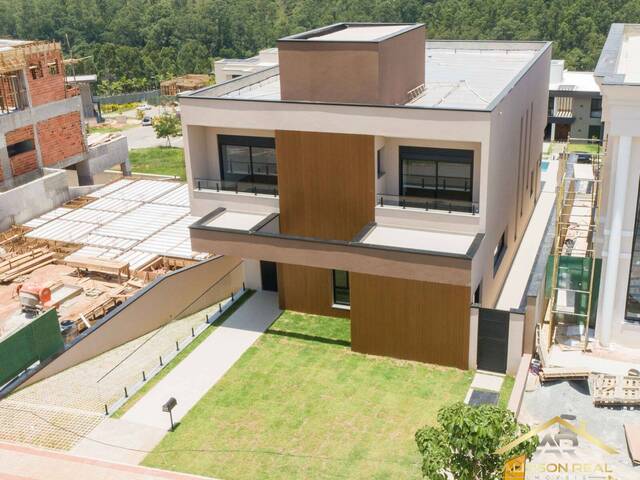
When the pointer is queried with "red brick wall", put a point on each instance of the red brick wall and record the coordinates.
(60, 138)
(48, 88)
(24, 162)
(18, 135)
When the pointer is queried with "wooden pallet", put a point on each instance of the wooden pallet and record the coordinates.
(549, 374)
(609, 390)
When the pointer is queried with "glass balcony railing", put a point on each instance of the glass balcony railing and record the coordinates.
(236, 187)
(423, 203)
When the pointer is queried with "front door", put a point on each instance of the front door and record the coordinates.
(269, 276)
(493, 340)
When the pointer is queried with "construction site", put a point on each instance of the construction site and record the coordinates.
(94, 252)
(120, 259)
(573, 373)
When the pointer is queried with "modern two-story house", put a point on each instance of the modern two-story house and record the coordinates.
(375, 176)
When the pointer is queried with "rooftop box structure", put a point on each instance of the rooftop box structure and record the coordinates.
(379, 64)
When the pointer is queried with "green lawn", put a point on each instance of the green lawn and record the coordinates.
(180, 356)
(158, 160)
(589, 148)
(505, 391)
(300, 404)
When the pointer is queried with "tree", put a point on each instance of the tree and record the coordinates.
(465, 442)
(167, 126)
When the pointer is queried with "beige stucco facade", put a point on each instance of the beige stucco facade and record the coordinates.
(620, 180)
(506, 141)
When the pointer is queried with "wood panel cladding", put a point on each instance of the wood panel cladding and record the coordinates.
(326, 183)
(307, 290)
(409, 319)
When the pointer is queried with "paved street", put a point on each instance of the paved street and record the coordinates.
(19, 462)
(145, 137)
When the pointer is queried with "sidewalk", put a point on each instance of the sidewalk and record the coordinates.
(18, 462)
(207, 364)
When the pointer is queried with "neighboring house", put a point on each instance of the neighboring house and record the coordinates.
(618, 74)
(575, 105)
(374, 176)
(41, 118)
(230, 68)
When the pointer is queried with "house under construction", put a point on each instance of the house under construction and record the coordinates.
(573, 269)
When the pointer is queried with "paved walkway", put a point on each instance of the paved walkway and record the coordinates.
(207, 364)
(18, 462)
(116, 440)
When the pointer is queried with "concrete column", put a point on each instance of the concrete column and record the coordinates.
(85, 176)
(126, 167)
(5, 164)
(252, 277)
(474, 314)
(619, 193)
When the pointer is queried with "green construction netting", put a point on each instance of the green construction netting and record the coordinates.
(574, 273)
(38, 340)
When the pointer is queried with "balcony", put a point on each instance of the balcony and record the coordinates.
(427, 204)
(251, 188)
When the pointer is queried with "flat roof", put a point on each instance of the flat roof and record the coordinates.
(576, 82)
(619, 62)
(353, 32)
(236, 220)
(465, 75)
(430, 241)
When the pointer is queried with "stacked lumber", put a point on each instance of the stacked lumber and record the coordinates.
(78, 202)
(14, 267)
(549, 374)
(609, 390)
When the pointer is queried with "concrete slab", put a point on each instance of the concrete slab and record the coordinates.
(117, 440)
(208, 363)
(491, 382)
(20, 462)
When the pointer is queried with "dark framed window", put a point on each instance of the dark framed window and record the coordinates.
(440, 173)
(596, 108)
(531, 184)
(632, 304)
(595, 131)
(20, 147)
(248, 159)
(379, 169)
(551, 106)
(498, 253)
(341, 288)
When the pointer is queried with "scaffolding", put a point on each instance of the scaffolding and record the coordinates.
(573, 270)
